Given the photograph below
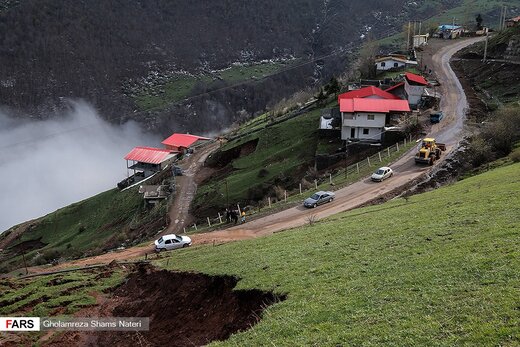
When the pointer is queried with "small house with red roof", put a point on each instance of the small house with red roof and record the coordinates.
(414, 87)
(183, 142)
(148, 159)
(364, 119)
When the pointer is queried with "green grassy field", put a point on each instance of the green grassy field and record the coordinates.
(42, 296)
(87, 226)
(436, 269)
(181, 86)
(281, 150)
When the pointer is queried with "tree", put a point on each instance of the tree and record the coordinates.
(479, 22)
(321, 98)
(333, 86)
(367, 59)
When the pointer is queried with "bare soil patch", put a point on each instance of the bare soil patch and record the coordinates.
(185, 309)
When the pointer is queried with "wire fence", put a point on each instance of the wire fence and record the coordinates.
(331, 181)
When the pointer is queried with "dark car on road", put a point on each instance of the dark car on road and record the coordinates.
(318, 199)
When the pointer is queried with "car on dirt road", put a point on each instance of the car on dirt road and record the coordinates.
(171, 241)
(319, 198)
(382, 174)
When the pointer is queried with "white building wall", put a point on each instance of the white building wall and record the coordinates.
(389, 64)
(360, 122)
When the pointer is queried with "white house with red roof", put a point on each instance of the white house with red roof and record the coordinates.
(183, 142)
(145, 161)
(414, 86)
(365, 112)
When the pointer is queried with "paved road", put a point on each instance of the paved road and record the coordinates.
(453, 105)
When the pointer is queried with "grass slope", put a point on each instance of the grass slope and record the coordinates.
(89, 226)
(282, 149)
(181, 86)
(437, 269)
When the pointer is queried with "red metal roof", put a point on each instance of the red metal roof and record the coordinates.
(148, 155)
(366, 92)
(182, 140)
(373, 105)
(394, 87)
(415, 78)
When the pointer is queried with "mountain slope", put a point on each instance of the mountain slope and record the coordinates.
(98, 50)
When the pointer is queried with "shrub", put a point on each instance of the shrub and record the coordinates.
(515, 155)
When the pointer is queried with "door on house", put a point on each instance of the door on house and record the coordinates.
(352, 133)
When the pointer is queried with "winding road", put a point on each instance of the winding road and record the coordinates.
(453, 105)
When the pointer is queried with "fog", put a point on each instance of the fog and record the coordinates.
(45, 165)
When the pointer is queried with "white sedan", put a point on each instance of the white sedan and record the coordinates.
(382, 174)
(171, 241)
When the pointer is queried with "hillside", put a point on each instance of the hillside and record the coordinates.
(139, 58)
(435, 269)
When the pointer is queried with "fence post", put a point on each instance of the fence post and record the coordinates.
(316, 184)
(300, 189)
(285, 195)
(410, 138)
(404, 143)
(219, 218)
(269, 200)
(184, 229)
(368, 160)
(239, 211)
(388, 149)
(209, 223)
(380, 160)
(330, 178)
(397, 145)
(357, 167)
(195, 225)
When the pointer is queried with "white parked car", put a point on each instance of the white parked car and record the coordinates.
(171, 241)
(382, 174)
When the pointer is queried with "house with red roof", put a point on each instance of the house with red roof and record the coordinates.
(182, 142)
(364, 119)
(149, 159)
(414, 87)
(369, 92)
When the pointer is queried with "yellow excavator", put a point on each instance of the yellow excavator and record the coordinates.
(429, 151)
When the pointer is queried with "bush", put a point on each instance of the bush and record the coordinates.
(515, 155)
(504, 131)
(480, 152)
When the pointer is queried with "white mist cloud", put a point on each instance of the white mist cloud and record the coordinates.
(45, 165)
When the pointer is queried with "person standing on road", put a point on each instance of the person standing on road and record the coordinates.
(243, 220)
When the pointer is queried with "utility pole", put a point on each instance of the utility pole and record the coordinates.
(227, 193)
(408, 41)
(485, 48)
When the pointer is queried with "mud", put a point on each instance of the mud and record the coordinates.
(185, 309)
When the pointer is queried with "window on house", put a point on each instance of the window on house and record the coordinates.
(396, 64)
(366, 131)
(370, 117)
(382, 64)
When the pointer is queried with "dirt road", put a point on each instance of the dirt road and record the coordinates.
(453, 105)
(186, 189)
